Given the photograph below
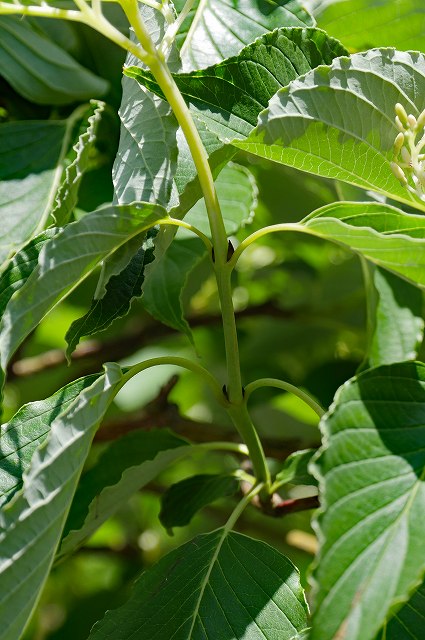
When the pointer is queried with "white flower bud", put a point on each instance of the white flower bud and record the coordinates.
(401, 113)
(406, 155)
(399, 173)
(399, 125)
(411, 121)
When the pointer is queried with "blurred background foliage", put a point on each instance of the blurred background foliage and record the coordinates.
(301, 318)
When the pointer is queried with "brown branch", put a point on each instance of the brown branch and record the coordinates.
(97, 352)
(292, 505)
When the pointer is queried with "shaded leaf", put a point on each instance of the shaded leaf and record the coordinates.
(295, 469)
(30, 157)
(338, 121)
(398, 24)
(41, 71)
(65, 261)
(217, 30)
(67, 195)
(185, 498)
(31, 524)
(371, 472)
(127, 465)
(395, 312)
(228, 97)
(381, 233)
(408, 622)
(28, 429)
(219, 585)
(115, 301)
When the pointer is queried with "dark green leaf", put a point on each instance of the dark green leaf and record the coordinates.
(40, 70)
(185, 498)
(219, 585)
(408, 623)
(295, 469)
(127, 465)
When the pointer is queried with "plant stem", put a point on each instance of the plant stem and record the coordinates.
(285, 386)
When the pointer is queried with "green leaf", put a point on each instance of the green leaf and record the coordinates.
(337, 121)
(371, 472)
(398, 24)
(27, 430)
(31, 524)
(295, 469)
(185, 498)
(41, 71)
(408, 622)
(395, 318)
(219, 585)
(30, 158)
(115, 301)
(127, 465)
(228, 97)
(164, 288)
(215, 30)
(67, 195)
(381, 233)
(65, 261)
(23, 263)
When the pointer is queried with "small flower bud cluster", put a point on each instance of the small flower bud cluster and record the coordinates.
(409, 161)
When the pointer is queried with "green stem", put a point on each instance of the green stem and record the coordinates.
(285, 386)
(274, 228)
(185, 225)
(234, 447)
(179, 362)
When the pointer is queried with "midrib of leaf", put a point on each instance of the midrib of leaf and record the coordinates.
(226, 529)
(197, 18)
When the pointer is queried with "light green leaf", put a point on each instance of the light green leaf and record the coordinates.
(215, 30)
(371, 472)
(23, 263)
(399, 23)
(115, 301)
(338, 121)
(185, 498)
(295, 469)
(219, 585)
(165, 283)
(41, 71)
(381, 233)
(65, 261)
(31, 154)
(27, 430)
(31, 524)
(228, 97)
(127, 465)
(395, 317)
(67, 195)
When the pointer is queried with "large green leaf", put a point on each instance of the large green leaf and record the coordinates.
(185, 498)
(78, 162)
(228, 96)
(28, 429)
(40, 70)
(31, 524)
(31, 154)
(337, 121)
(381, 233)
(65, 261)
(127, 465)
(218, 29)
(395, 317)
(165, 284)
(371, 473)
(219, 585)
(400, 23)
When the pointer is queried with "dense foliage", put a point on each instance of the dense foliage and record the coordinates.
(212, 262)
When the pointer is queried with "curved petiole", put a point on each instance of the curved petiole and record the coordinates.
(186, 225)
(285, 386)
(274, 228)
